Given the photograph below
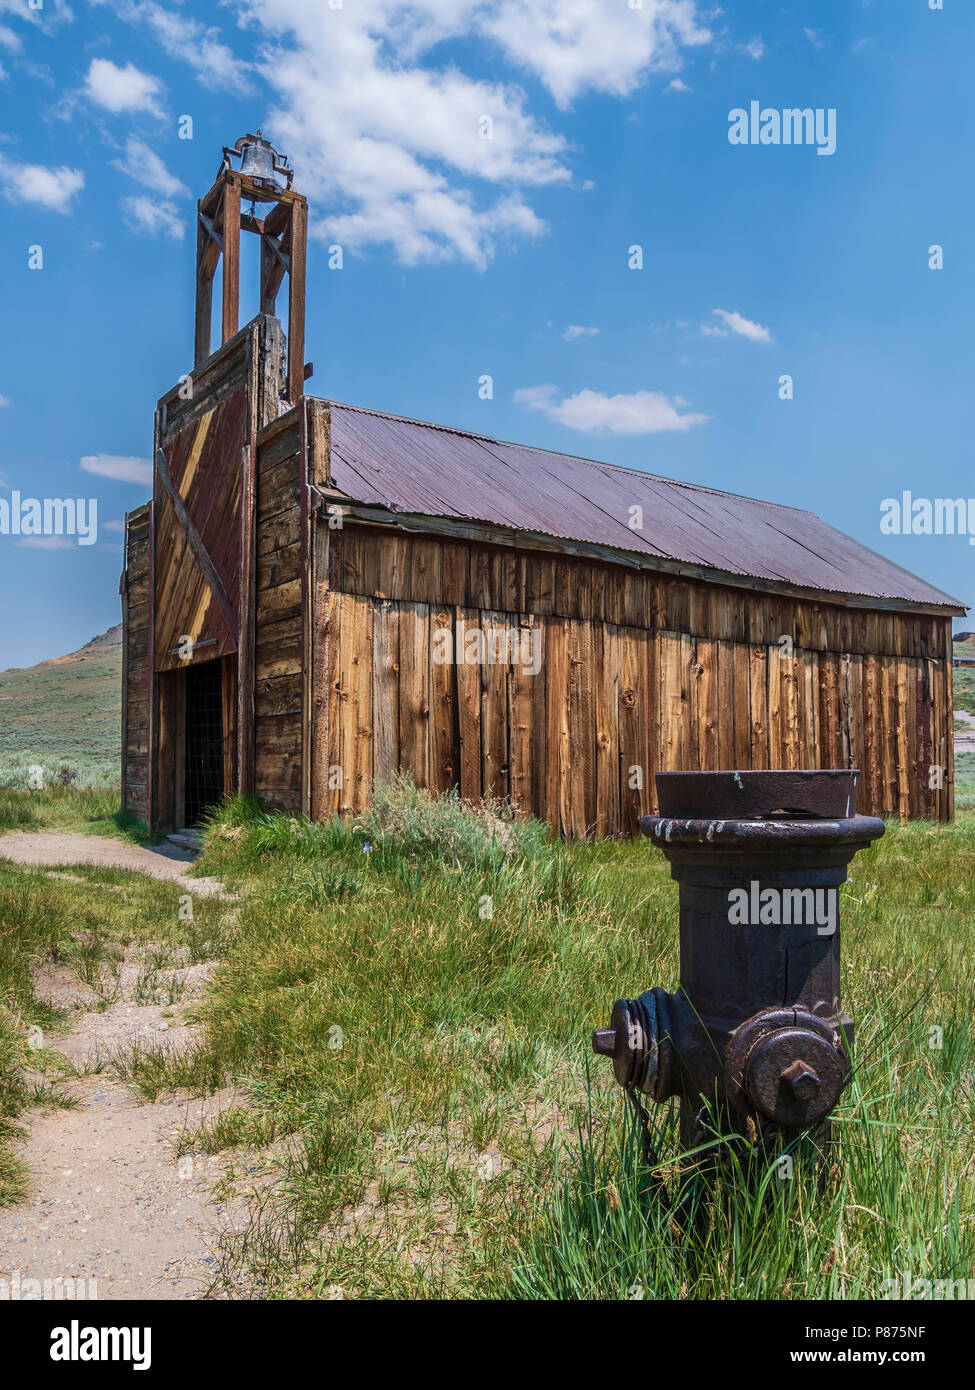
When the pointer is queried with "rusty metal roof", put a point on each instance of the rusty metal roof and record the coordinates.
(413, 467)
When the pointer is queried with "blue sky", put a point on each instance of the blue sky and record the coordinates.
(465, 256)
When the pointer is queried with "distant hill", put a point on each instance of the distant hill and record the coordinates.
(103, 645)
(64, 713)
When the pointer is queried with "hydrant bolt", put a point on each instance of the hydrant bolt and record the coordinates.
(802, 1080)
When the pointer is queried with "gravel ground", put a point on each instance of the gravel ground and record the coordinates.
(110, 1203)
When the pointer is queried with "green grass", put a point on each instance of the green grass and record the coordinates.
(24, 770)
(92, 809)
(465, 1051)
(964, 678)
(404, 1012)
(30, 930)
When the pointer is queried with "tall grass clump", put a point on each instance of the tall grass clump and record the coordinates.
(403, 822)
(448, 829)
(808, 1221)
(93, 808)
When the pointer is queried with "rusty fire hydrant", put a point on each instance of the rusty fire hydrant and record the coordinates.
(754, 1040)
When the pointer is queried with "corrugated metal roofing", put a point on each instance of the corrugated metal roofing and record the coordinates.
(410, 466)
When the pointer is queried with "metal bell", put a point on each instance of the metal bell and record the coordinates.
(262, 164)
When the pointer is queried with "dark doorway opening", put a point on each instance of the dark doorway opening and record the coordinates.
(204, 740)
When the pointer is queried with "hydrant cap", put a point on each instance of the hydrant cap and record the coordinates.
(631, 1041)
(787, 1065)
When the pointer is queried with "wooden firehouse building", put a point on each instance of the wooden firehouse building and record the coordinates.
(318, 595)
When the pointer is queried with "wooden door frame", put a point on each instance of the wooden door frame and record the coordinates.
(171, 750)
(171, 747)
(230, 705)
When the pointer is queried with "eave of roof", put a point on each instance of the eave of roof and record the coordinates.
(414, 469)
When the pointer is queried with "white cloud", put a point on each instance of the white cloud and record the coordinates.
(385, 128)
(575, 46)
(641, 412)
(39, 71)
(755, 48)
(143, 214)
(142, 163)
(399, 148)
(113, 526)
(737, 323)
(575, 331)
(198, 45)
(48, 543)
(122, 89)
(122, 468)
(815, 37)
(4, 400)
(50, 16)
(35, 183)
(51, 13)
(677, 85)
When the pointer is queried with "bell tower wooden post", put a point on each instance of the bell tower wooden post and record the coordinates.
(284, 242)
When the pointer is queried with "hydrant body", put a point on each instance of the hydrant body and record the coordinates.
(755, 1038)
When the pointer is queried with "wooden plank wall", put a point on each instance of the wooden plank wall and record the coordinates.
(135, 663)
(279, 647)
(604, 676)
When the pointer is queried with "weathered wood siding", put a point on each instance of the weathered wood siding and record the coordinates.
(279, 645)
(635, 672)
(204, 553)
(135, 663)
(205, 431)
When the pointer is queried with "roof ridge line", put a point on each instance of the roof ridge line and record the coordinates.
(579, 458)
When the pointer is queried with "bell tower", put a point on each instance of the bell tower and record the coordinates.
(261, 176)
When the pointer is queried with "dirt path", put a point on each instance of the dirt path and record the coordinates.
(109, 1204)
(53, 847)
(109, 1201)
